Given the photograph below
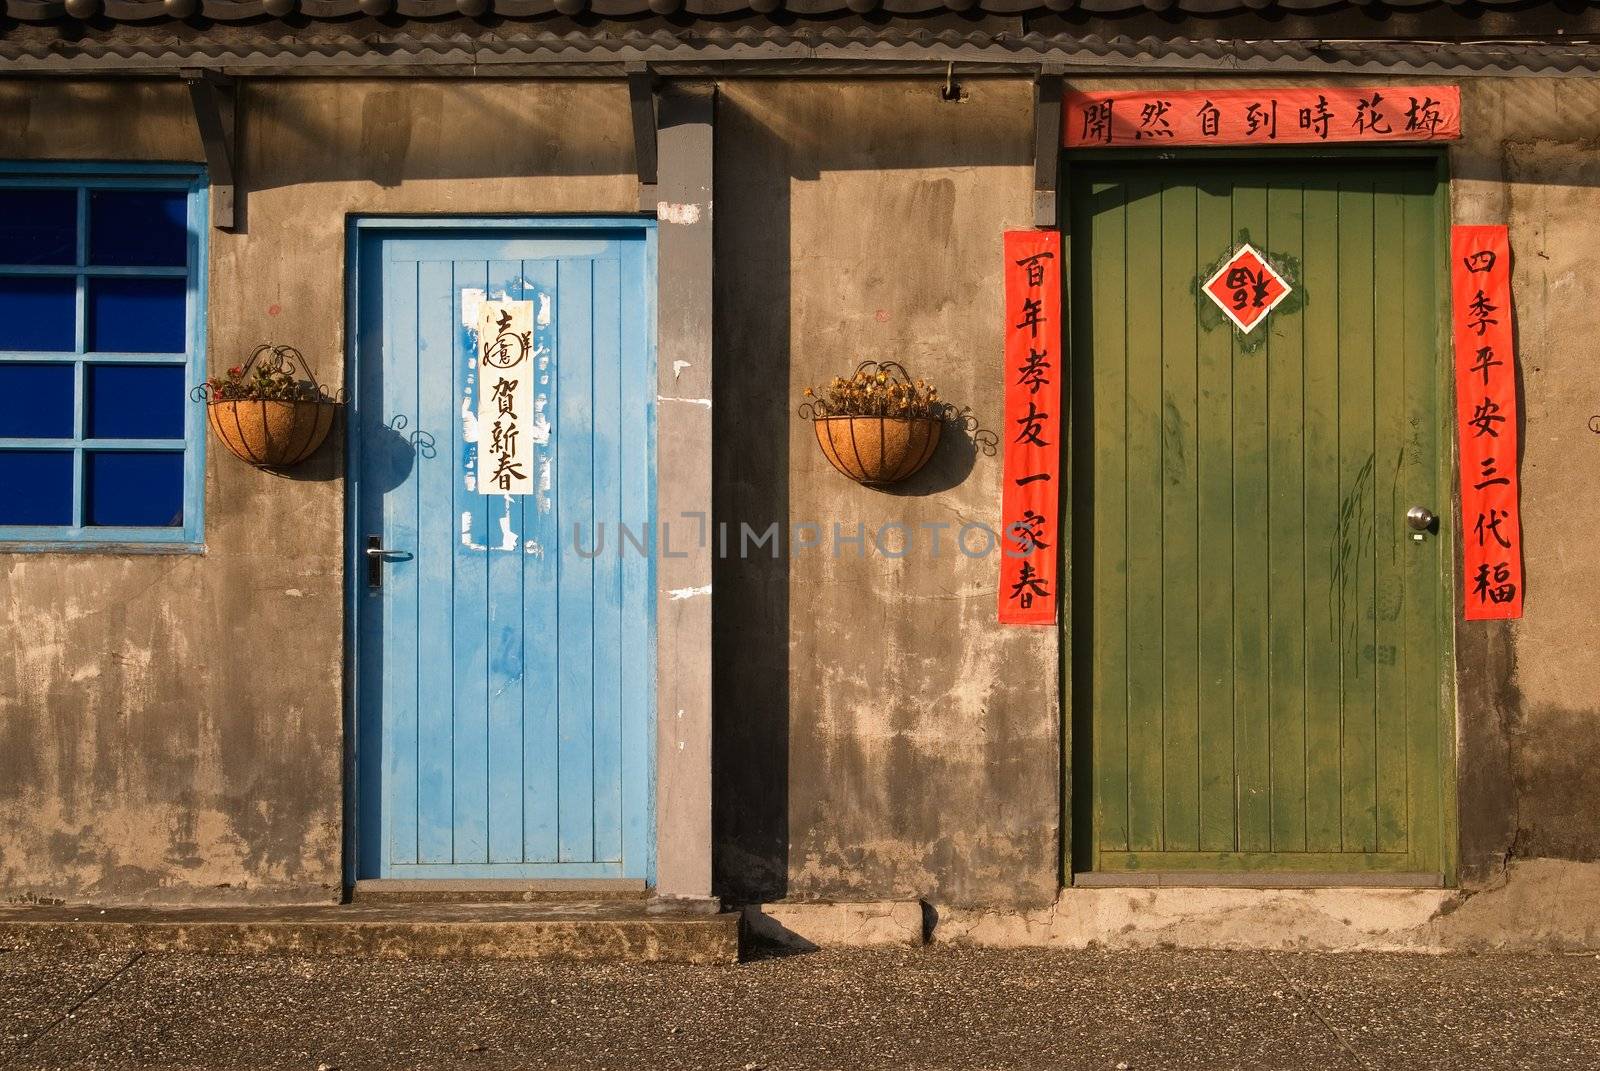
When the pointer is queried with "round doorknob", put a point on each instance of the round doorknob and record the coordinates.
(1421, 518)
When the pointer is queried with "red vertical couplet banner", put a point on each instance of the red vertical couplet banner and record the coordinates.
(1030, 505)
(1486, 414)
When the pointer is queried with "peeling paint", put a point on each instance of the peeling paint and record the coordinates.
(678, 367)
(508, 538)
(682, 214)
(686, 401)
(688, 593)
(471, 300)
(466, 532)
(546, 480)
(540, 428)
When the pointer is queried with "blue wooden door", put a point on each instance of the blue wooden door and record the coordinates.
(505, 668)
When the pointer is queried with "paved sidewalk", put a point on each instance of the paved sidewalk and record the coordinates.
(934, 1008)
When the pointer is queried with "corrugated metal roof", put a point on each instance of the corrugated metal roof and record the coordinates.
(563, 48)
(234, 11)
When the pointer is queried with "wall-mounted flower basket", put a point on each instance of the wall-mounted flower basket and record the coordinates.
(271, 411)
(877, 450)
(877, 427)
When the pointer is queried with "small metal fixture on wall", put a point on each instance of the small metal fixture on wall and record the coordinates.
(271, 411)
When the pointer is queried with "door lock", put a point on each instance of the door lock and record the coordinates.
(1422, 519)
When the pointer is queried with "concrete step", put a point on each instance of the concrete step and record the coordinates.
(495, 891)
(593, 931)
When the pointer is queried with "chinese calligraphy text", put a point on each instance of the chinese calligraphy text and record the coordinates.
(1030, 502)
(1261, 116)
(1246, 288)
(505, 397)
(1486, 415)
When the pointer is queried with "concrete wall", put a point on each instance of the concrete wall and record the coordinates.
(171, 726)
(878, 735)
(1530, 692)
(917, 739)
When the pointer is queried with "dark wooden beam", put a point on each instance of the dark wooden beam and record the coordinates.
(214, 97)
(642, 105)
(1046, 144)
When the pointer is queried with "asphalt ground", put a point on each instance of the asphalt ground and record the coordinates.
(845, 1010)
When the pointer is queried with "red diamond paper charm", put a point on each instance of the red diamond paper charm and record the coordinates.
(1246, 288)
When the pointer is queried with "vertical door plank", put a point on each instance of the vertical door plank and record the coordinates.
(574, 478)
(1251, 514)
(1390, 538)
(1214, 481)
(1083, 777)
(1286, 543)
(1424, 672)
(1179, 518)
(390, 463)
(542, 546)
(477, 531)
(504, 635)
(637, 436)
(438, 536)
(1321, 460)
(607, 510)
(1355, 537)
(1108, 242)
(1143, 512)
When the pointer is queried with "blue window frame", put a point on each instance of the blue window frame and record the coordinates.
(102, 339)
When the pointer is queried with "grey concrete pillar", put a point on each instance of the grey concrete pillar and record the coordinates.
(683, 497)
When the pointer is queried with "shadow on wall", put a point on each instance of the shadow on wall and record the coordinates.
(751, 411)
(952, 462)
(326, 463)
(760, 156)
(387, 134)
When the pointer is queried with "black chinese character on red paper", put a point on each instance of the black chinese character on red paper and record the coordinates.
(1493, 583)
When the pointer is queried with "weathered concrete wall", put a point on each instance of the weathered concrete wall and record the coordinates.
(915, 737)
(878, 734)
(1532, 739)
(171, 727)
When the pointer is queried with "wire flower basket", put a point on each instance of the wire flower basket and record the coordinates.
(271, 411)
(878, 426)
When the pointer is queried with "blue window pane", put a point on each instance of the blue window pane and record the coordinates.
(141, 488)
(35, 486)
(38, 226)
(139, 227)
(35, 400)
(38, 314)
(135, 401)
(136, 315)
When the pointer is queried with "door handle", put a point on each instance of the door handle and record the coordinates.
(377, 554)
(1422, 519)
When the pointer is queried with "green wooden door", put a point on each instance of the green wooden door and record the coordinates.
(1258, 640)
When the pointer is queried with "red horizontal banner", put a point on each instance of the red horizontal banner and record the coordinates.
(1486, 412)
(1261, 116)
(1030, 503)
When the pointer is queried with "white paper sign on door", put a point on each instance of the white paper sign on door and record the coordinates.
(505, 397)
